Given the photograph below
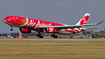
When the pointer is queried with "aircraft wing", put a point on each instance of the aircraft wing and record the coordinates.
(70, 26)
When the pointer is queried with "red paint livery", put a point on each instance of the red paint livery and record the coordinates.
(28, 24)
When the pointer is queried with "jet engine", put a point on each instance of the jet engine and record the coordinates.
(51, 30)
(25, 30)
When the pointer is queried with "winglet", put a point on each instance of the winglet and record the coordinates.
(99, 22)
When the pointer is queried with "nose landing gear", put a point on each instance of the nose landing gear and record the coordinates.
(11, 28)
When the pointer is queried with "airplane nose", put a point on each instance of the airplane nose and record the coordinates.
(6, 19)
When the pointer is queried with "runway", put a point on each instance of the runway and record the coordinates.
(52, 48)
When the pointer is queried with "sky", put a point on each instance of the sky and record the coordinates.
(59, 11)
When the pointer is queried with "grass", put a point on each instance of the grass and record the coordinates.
(52, 48)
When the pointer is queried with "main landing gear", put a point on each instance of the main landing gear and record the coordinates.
(39, 35)
(53, 35)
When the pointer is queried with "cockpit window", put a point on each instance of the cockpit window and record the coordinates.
(7, 18)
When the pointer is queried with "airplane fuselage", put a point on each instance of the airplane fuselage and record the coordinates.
(33, 24)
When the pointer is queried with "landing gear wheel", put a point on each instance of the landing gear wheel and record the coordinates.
(55, 36)
(52, 35)
(39, 35)
(11, 29)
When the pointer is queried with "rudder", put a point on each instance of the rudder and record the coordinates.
(84, 19)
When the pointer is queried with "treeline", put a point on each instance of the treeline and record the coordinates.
(98, 34)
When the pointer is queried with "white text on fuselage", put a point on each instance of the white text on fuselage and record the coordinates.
(34, 24)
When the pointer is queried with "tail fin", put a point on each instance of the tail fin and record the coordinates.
(84, 19)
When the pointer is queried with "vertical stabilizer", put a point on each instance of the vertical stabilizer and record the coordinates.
(84, 19)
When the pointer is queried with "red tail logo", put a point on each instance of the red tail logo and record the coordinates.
(84, 20)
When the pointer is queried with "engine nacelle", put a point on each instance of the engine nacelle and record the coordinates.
(51, 30)
(25, 30)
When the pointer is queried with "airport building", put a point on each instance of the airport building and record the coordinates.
(5, 35)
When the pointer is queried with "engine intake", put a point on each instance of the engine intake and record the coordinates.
(25, 30)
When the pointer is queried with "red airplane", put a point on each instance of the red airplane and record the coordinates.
(27, 24)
